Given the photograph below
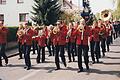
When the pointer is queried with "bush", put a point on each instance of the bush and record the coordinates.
(12, 34)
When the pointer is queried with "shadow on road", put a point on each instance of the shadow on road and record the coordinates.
(116, 73)
(112, 57)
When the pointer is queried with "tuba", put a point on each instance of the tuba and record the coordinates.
(105, 15)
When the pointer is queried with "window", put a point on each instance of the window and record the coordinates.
(2, 1)
(1, 17)
(20, 1)
(23, 17)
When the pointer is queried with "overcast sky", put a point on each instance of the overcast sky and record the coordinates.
(97, 5)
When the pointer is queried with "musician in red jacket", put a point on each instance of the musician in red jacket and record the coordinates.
(34, 43)
(27, 43)
(19, 40)
(41, 39)
(3, 40)
(108, 34)
(102, 36)
(60, 44)
(95, 42)
(71, 42)
(48, 43)
(82, 33)
(51, 35)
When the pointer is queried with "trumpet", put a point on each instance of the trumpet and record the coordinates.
(56, 30)
(80, 28)
(20, 32)
(69, 33)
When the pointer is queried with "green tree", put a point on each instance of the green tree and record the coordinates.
(116, 13)
(45, 11)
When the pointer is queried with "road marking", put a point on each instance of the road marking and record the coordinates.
(29, 75)
(34, 72)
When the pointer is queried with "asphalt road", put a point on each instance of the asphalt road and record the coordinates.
(109, 69)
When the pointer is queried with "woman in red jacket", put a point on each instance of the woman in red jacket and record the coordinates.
(41, 39)
(19, 37)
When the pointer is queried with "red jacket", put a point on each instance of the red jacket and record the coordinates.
(62, 35)
(103, 30)
(72, 38)
(86, 34)
(19, 38)
(27, 37)
(55, 39)
(3, 35)
(108, 31)
(52, 36)
(95, 33)
(41, 41)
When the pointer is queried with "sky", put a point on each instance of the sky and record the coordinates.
(97, 5)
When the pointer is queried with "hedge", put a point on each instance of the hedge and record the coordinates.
(12, 34)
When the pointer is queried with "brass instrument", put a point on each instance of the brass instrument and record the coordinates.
(56, 30)
(105, 15)
(38, 28)
(69, 33)
(80, 28)
(20, 32)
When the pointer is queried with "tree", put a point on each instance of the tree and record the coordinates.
(45, 12)
(116, 13)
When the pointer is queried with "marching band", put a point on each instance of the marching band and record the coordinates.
(76, 38)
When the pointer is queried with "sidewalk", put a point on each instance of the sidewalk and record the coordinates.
(108, 70)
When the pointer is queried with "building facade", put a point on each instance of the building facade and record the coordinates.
(14, 12)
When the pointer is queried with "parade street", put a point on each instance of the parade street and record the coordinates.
(108, 69)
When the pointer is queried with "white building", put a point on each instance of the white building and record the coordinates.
(14, 12)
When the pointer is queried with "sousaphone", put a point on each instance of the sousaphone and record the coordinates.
(105, 15)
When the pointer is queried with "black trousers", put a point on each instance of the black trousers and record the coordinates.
(92, 44)
(103, 45)
(53, 50)
(61, 49)
(71, 51)
(84, 49)
(34, 46)
(108, 41)
(39, 54)
(48, 45)
(2, 54)
(97, 50)
(26, 51)
(20, 49)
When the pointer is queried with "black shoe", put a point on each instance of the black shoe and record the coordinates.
(81, 70)
(25, 67)
(103, 54)
(98, 61)
(73, 60)
(37, 61)
(87, 67)
(50, 55)
(69, 61)
(20, 58)
(57, 69)
(1, 65)
(65, 64)
(28, 68)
